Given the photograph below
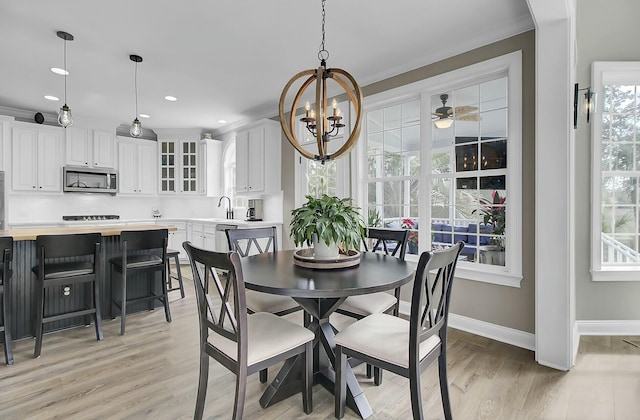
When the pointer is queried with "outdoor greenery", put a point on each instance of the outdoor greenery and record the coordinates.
(331, 218)
(493, 212)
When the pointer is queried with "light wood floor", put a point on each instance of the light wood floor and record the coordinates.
(152, 371)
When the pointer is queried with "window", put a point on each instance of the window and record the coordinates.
(393, 154)
(616, 172)
(443, 161)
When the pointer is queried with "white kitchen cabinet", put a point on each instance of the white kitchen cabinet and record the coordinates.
(202, 235)
(137, 166)
(177, 237)
(36, 159)
(5, 136)
(181, 166)
(103, 149)
(83, 151)
(258, 158)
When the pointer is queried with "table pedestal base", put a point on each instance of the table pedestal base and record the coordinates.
(288, 381)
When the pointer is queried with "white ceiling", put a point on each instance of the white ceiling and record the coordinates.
(223, 59)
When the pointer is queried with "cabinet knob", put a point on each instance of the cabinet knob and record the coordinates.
(34, 186)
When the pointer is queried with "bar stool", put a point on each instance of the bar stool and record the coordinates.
(142, 252)
(54, 269)
(172, 253)
(6, 248)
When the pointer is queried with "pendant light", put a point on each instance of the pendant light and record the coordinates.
(136, 127)
(64, 115)
(324, 121)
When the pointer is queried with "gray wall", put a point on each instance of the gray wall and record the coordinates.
(501, 305)
(605, 31)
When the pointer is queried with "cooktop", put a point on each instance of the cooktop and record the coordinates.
(92, 217)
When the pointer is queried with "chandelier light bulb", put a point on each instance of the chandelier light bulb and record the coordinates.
(136, 128)
(65, 118)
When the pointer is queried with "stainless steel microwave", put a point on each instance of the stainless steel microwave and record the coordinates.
(94, 180)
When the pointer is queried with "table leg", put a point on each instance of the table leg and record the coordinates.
(288, 380)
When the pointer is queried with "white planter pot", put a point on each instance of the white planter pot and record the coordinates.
(322, 250)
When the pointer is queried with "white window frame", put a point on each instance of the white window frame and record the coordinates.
(509, 65)
(606, 73)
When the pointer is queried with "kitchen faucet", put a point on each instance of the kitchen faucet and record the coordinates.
(229, 209)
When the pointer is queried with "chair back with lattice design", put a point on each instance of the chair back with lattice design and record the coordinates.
(252, 241)
(390, 241)
(431, 295)
(222, 306)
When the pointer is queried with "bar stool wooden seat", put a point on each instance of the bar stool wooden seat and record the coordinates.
(55, 271)
(143, 252)
(172, 253)
(6, 251)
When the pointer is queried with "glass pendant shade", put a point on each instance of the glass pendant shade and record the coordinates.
(136, 128)
(64, 116)
(443, 123)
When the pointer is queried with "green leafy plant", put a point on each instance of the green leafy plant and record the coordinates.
(374, 218)
(332, 219)
(493, 212)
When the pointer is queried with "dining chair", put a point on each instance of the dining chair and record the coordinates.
(243, 343)
(6, 253)
(257, 241)
(56, 275)
(406, 347)
(391, 242)
(143, 252)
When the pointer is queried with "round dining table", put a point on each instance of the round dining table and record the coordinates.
(320, 292)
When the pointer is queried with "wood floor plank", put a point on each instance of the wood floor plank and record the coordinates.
(152, 373)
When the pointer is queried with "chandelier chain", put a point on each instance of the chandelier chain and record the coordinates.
(323, 54)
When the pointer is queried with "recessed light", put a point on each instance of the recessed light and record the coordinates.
(171, 98)
(222, 121)
(51, 98)
(144, 115)
(61, 72)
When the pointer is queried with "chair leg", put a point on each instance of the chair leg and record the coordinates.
(39, 315)
(307, 381)
(6, 319)
(123, 302)
(165, 299)
(263, 376)
(202, 385)
(377, 376)
(416, 396)
(179, 275)
(444, 385)
(369, 371)
(112, 312)
(241, 389)
(340, 391)
(96, 305)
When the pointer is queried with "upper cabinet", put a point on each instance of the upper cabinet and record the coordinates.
(181, 166)
(90, 148)
(258, 158)
(35, 157)
(137, 166)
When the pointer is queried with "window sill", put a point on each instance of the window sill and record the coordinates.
(485, 276)
(616, 274)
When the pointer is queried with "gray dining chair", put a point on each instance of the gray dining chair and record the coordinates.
(243, 343)
(258, 241)
(391, 242)
(406, 347)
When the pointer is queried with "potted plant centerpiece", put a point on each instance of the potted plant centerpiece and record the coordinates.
(329, 223)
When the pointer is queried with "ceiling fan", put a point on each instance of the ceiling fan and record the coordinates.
(443, 116)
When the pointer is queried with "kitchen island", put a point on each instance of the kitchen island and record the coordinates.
(22, 280)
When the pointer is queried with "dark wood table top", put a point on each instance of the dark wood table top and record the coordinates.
(276, 273)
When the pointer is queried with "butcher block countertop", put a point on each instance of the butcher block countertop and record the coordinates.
(105, 230)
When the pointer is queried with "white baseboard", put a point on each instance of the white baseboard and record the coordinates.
(614, 327)
(507, 335)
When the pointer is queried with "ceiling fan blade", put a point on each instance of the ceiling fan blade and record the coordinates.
(468, 117)
(465, 109)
